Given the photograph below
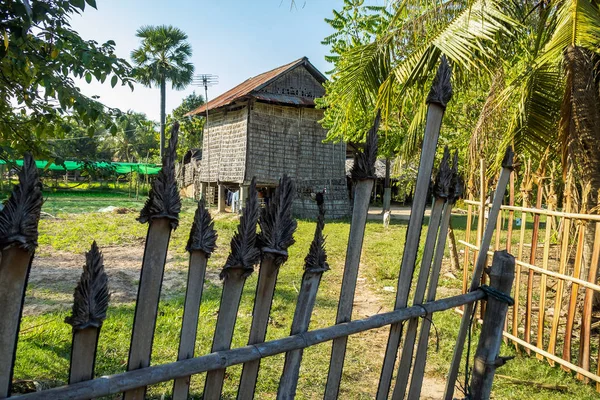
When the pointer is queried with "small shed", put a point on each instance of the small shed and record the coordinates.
(266, 127)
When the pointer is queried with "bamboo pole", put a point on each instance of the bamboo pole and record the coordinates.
(363, 172)
(481, 220)
(466, 262)
(576, 273)
(585, 217)
(562, 265)
(315, 264)
(201, 244)
(526, 188)
(486, 356)
(507, 166)
(441, 192)
(18, 239)
(539, 176)
(89, 312)
(421, 355)
(277, 229)
(551, 196)
(586, 319)
(239, 265)
(439, 95)
(112, 384)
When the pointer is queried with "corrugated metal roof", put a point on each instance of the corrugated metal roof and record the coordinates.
(250, 86)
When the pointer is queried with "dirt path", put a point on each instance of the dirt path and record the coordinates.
(368, 303)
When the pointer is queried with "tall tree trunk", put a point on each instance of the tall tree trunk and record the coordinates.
(163, 115)
(580, 130)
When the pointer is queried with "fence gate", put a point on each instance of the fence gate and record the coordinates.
(268, 250)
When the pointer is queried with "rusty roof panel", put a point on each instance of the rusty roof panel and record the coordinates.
(250, 87)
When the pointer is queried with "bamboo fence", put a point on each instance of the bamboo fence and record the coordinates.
(557, 246)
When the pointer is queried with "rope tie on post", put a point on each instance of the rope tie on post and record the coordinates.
(496, 294)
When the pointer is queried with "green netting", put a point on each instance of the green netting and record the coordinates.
(118, 167)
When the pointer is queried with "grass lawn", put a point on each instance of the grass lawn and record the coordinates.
(45, 340)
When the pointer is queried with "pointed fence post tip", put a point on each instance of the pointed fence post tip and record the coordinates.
(163, 200)
(244, 253)
(91, 294)
(20, 216)
(443, 179)
(277, 226)
(441, 88)
(364, 162)
(203, 236)
(316, 259)
(508, 160)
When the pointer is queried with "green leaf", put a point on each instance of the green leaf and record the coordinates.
(88, 77)
(79, 4)
(113, 81)
(92, 3)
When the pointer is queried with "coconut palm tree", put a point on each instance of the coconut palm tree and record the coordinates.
(163, 56)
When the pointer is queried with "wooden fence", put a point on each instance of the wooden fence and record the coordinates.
(268, 249)
(557, 255)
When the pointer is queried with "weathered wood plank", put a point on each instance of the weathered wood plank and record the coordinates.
(239, 265)
(201, 244)
(161, 211)
(507, 166)
(441, 191)
(315, 264)
(439, 95)
(107, 385)
(18, 239)
(276, 235)
(486, 356)
(363, 173)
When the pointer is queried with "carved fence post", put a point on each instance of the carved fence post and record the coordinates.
(486, 357)
(201, 244)
(239, 265)
(18, 239)
(161, 211)
(439, 95)
(441, 192)
(89, 312)
(276, 235)
(315, 264)
(507, 166)
(456, 192)
(363, 173)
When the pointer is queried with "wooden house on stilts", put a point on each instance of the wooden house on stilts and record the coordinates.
(267, 127)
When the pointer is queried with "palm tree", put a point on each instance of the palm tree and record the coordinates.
(163, 56)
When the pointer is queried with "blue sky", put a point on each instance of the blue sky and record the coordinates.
(234, 39)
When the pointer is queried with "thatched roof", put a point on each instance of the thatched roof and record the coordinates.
(251, 88)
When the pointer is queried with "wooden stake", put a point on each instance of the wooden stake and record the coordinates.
(239, 265)
(562, 265)
(539, 176)
(89, 312)
(18, 239)
(507, 166)
(544, 278)
(576, 274)
(421, 356)
(466, 262)
(586, 319)
(443, 183)
(439, 95)
(277, 230)
(201, 244)
(315, 264)
(363, 172)
(482, 220)
(161, 211)
(486, 357)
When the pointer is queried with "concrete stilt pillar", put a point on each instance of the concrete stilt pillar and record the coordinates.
(202, 194)
(243, 196)
(387, 198)
(221, 194)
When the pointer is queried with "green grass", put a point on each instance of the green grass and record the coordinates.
(44, 343)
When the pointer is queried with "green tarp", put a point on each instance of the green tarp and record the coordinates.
(119, 168)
